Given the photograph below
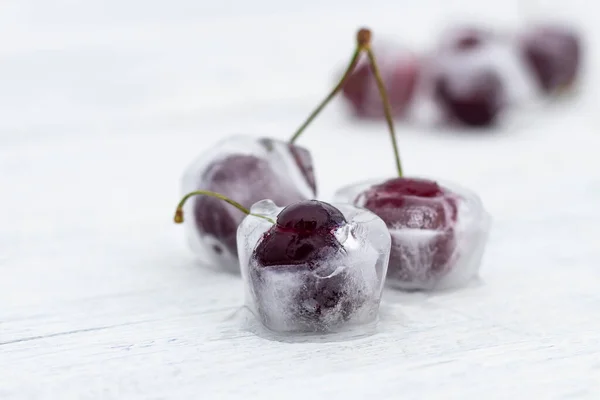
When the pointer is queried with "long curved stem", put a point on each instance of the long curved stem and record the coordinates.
(179, 211)
(386, 106)
(362, 41)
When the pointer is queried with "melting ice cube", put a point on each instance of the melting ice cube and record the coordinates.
(437, 241)
(338, 289)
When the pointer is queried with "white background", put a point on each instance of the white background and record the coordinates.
(104, 103)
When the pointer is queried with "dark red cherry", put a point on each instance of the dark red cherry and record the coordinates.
(553, 54)
(418, 204)
(303, 235)
(310, 216)
(471, 97)
(411, 203)
(282, 248)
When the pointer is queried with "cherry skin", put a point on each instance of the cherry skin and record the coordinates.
(401, 200)
(248, 179)
(303, 239)
(472, 98)
(309, 217)
(553, 54)
(400, 78)
(303, 235)
(416, 204)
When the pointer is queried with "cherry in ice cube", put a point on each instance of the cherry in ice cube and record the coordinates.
(438, 231)
(318, 268)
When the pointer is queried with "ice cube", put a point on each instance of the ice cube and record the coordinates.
(438, 238)
(246, 169)
(340, 289)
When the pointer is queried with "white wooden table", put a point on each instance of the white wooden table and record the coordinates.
(102, 105)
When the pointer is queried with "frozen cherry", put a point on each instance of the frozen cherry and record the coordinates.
(553, 54)
(310, 216)
(303, 233)
(304, 237)
(472, 97)
(415, 204)
(315, 269)
(423, 220)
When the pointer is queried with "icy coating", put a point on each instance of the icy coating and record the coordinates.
(429, 259)
(343, 292)
(246, 169)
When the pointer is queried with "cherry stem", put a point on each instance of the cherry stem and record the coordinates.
(179, 212)
(386, 106)
(363, 38)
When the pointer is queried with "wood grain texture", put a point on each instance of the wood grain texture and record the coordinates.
(103, 105)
